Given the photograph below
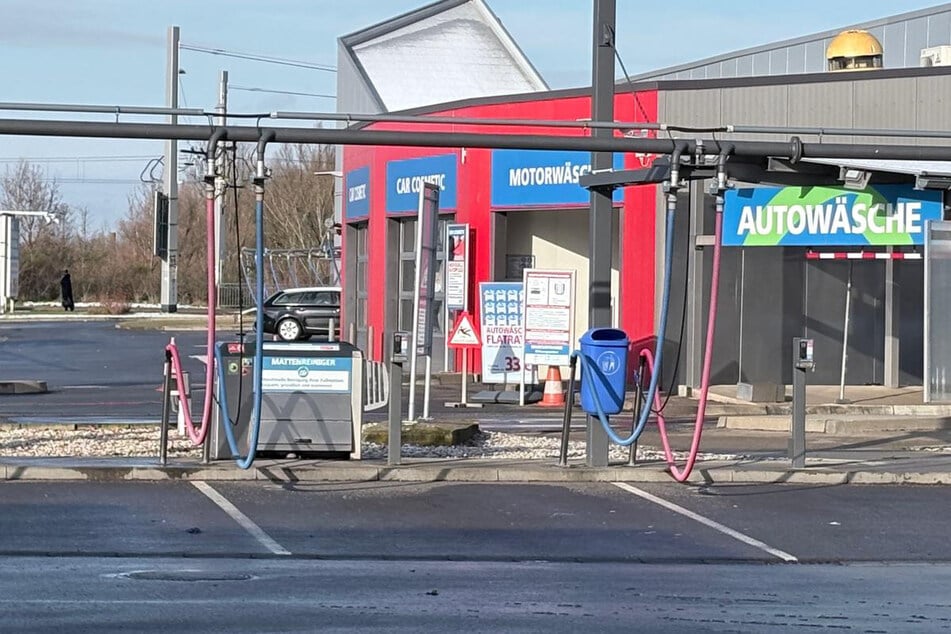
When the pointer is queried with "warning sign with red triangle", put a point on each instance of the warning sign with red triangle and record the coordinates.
(464, 333)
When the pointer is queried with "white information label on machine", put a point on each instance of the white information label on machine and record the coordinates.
(306, 374)
(549, 316)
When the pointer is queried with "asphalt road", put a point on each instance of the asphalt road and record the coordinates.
(284, 557)
(93, 370)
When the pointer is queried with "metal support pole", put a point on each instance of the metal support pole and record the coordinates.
(169, 290)
(639, 402)
(566, 424)
(332, 330)
(797, 444)
(599, 220)
(166, 407)
(426, 385)
(892, 325)
(395, 435)
(220, 120)
(845, 338)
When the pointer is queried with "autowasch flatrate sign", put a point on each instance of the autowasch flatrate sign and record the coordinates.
(883, 215)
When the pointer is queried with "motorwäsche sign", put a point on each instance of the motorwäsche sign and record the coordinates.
(883, 215)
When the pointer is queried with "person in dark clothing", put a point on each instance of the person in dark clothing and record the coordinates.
(66, 284)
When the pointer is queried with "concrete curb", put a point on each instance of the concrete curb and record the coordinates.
(25, 386)
(441, 471)
(842, 425)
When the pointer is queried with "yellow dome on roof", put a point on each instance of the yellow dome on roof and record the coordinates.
(853, 43)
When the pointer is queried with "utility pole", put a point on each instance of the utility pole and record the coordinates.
(602, 210)
(220, 120)
(170, 263)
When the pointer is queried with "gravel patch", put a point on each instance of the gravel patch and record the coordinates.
(143, 441)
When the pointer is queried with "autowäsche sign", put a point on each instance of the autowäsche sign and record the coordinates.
(884, 215)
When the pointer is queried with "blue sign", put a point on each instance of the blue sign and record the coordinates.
(525, 178)
(356, 202)
(881, 215)
(306, 374)
(404, 180)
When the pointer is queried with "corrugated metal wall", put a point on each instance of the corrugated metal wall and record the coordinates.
(902, 39)
(770, 295)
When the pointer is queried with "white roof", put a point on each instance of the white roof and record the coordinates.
(447, 51)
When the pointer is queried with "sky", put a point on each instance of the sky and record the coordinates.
(113, 53)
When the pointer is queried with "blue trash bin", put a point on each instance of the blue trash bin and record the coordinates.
(605, 362)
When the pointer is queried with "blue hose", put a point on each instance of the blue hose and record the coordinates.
(246, 461)
(661, 329)
(588, 375)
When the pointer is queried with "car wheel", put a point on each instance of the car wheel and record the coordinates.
(289, 330)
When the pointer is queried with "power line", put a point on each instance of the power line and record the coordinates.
(282, 92)
(259, 58)
(75, 159)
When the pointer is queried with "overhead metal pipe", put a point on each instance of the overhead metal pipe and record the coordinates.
(580, 124)
(103, 109)
(247, 134)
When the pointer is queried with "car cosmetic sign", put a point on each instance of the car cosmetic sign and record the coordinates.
(882, 215)
(501, 309)
(357, 188)
(405, 179)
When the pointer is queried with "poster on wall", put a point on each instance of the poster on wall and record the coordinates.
(457, 267)
(549, 316)
(501, 310)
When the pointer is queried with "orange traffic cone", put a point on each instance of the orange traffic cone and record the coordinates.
(553, 395)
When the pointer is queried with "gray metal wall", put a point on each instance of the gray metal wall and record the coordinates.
(770, 295)
(902, 37)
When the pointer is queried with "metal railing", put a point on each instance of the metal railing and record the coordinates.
(233, 295)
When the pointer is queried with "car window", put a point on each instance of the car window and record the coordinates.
(308, 299)
(288, 299)
(327, 299)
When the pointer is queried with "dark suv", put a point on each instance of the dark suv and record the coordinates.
(300, 313)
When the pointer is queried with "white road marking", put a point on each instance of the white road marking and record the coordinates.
(202, 358)
(263, 538)
(726, 530)
(84, 387)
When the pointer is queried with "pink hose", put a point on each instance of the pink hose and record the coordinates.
(681, 475)
(198, 437)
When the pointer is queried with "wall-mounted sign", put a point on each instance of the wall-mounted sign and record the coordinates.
(882, 215)
(530, 178)
(515, 265)
(549, 316)
(501, 304)
(404, 180)
(356, 200)
(457, 267)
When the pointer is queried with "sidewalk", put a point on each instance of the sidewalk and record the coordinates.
(874, 448)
